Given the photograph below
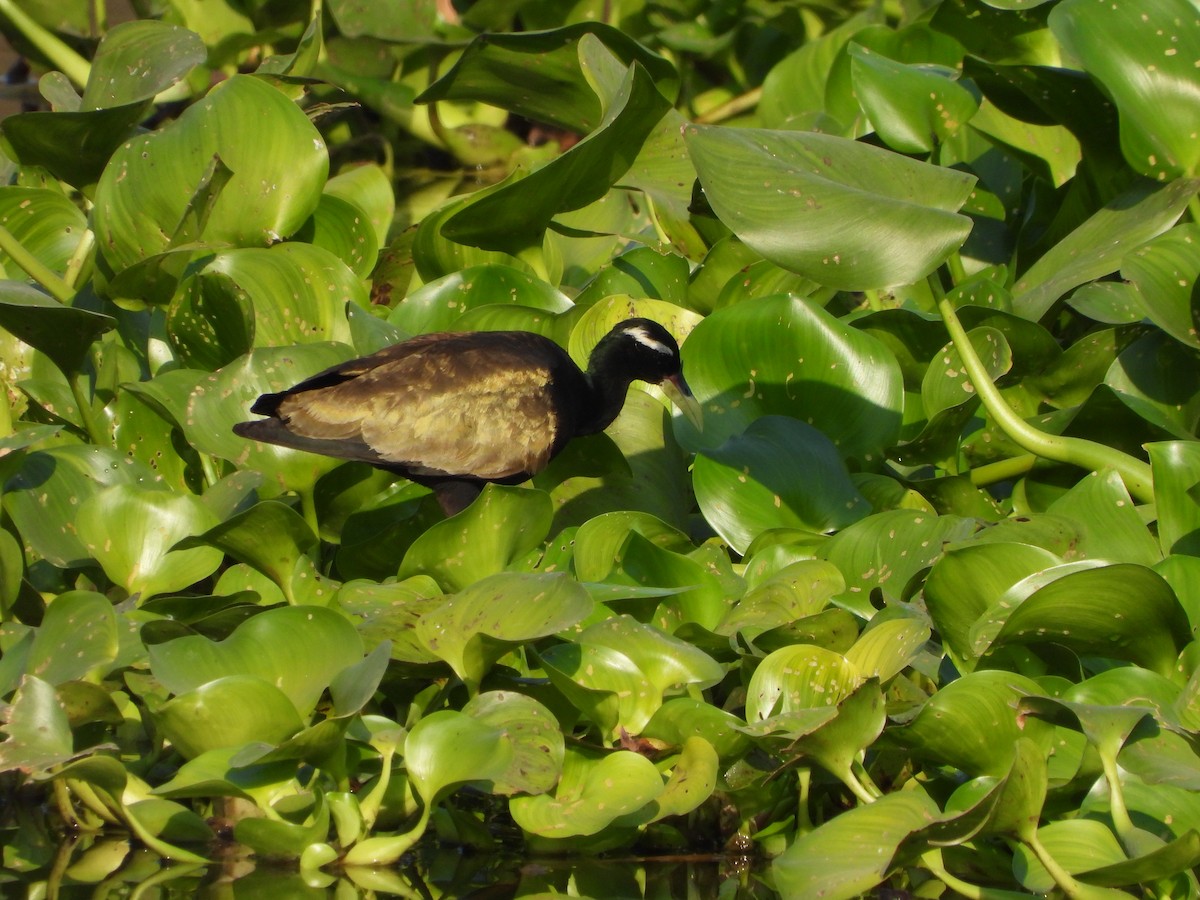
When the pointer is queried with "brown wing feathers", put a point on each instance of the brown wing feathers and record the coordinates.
(437, 405)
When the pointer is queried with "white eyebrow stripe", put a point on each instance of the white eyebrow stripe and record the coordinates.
(642, 336)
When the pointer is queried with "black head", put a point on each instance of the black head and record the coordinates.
(637, 348)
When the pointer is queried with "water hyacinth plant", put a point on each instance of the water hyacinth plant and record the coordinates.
(916, 609)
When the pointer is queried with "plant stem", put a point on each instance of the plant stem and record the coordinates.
(74, 66)
(731, 107)
(1075, 451)
(1116, 802)
(90, 426)
(1061, 876)
(1002, 470)
(75, 264)
(954, 265)
(59, 289)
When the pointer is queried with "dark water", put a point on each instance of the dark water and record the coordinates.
(109, 867)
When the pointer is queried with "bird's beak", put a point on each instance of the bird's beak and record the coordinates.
(680, 394)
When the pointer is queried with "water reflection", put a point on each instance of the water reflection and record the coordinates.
(104, 867)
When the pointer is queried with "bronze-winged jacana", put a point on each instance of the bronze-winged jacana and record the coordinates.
(455, 410)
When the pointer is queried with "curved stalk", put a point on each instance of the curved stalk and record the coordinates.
(731, 108)
(74, 66)
(59, 289)
(1075, 451)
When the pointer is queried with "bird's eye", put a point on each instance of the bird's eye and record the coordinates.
(642, 336)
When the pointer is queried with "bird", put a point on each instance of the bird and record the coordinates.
(456, 410)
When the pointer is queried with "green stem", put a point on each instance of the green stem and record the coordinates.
(83, 250)
(803, 820)
(1061, 876)
(59, 289)
(1194, 207)
(730, 108)
(74, 66)
(1116, 802)
(1074, 451)
(954, 265)
(90, 425)
(308, 505)
(933, 862)
(1002, 470)
(856, 787)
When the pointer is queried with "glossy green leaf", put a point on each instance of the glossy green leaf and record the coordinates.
(513, 217)
(296, 649)
(39, 734)
(228, 711)
(912, 107)
(781, 473)
(44, 494)
(45, 223)
(227, 308)
(342, 229)
(681, 718)
(548, 65)
(131, 532)
(799, 678)
(972, 723)
(797, 590)
(475, 627)
(533, 732)
(63, 333)
(884, 649)
(502, 525)
(667, 662)
(156, 53)
(208, 406)
(77, 636)
(276, 185)
(786, 356)
(593, 792)
(1163, 273)
(439, 305)
(946, 384)
(269, 536)
(1121, 611)
(1108, 525)
(853, 852)
(1176, 467)
(1145, 61)
(449, 747)
(1097, 247)
(839, 212)
(885, 550)
(603, 684)
(965, 582)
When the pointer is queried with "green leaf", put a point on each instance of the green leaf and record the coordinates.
(439, 305)
(547, 63)
(885, 648)
(1176, 468)
(594, 791)
(972, 723)
(138, 59)
(39, 735)
(946, 384)
(781, 473)
(147, 186)
(1098, 246)
(853, 852)
(799, 678)
(502, 525)
(449, 747)
(913, 108)
(46, 224)
(1145, 60)
(1163, 273)
(839, 212)
(1109, 526)
(537, 743)
(1120, 611)
(228, 711)
(64, 333)
(77, 637)
(298, 650)
(132, 531)
(269, 536)
(513, 217)
(474, 628)
(207, 406)
(786, 356)
(965, 582)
